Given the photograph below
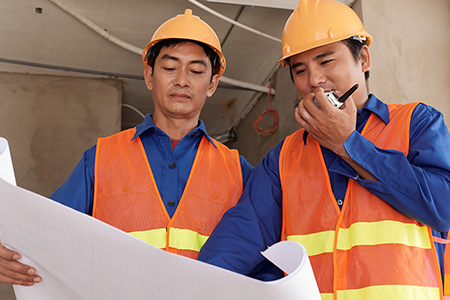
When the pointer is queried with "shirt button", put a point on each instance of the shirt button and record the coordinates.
(172, 165)
(171, 203)
(340, 202)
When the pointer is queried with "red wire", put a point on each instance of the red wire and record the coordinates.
(270, 130)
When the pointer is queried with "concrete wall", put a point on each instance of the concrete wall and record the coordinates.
(410, 62)
(411, 51)
(254, 146)
(49, 121)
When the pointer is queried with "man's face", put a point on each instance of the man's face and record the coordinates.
(333, 68)
(180, 81)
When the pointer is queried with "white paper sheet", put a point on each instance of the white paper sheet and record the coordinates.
(80, 257)
(6, 166)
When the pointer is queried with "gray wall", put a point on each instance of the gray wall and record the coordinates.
(49, 121)
(254, 146)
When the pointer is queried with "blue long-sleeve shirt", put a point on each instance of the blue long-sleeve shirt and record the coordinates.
(417, 185)
(77, 191)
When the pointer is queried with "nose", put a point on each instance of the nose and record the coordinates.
(182, 78)
(316, 77)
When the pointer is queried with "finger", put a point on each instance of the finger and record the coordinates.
(14, 272)
(321, 98)
(349, 105)
(299, 113)
(303, 112)
(298, 117)
(5, 253)
(11, 269)
(27, 281)
(310, 105)
(15, 269)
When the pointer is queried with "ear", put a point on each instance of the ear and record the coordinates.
(364, 57)
(148, 77)
(213, 85)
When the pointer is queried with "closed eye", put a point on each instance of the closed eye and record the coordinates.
(300, 71)
(326, 61)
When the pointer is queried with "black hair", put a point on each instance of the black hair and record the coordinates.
(154, 51)
(355, 46)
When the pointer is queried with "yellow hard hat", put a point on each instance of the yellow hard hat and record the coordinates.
(187, 27)
(316, 23)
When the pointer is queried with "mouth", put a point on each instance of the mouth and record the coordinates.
(180, 96)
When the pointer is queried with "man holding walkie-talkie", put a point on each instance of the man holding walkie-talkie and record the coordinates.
(363, 186)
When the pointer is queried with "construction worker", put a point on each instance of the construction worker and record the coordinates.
(362, 187)
(165, 181)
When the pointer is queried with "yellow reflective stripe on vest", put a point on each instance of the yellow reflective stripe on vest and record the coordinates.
(327, 296)
(365, 233)
(397, 292)
(185, 239)
(155, 237)
(315, 243)
(383, 232)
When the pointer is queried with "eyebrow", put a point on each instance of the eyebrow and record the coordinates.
(174, 58)
(320, 56)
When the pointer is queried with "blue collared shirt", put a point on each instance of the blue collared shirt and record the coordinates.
(417, 185)
(78, 190)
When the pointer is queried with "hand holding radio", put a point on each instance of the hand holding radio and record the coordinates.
(329, 127)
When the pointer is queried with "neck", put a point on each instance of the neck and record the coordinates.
(175, 128)
(363, 96)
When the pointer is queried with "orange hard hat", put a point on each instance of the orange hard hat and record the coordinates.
(316, 23)
(187, 27)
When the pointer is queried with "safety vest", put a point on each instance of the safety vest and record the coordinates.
(367, 250)
(127, 197)
(447, 269)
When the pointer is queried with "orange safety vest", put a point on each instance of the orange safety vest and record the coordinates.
(367, 250)
(126, 195)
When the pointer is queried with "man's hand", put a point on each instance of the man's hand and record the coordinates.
(14, 272)
(329, 126)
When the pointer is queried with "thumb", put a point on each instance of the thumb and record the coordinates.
(349, 106)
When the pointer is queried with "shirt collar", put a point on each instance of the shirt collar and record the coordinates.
(374, 105)
(377, 107)
(148, 124)
(144, 126)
